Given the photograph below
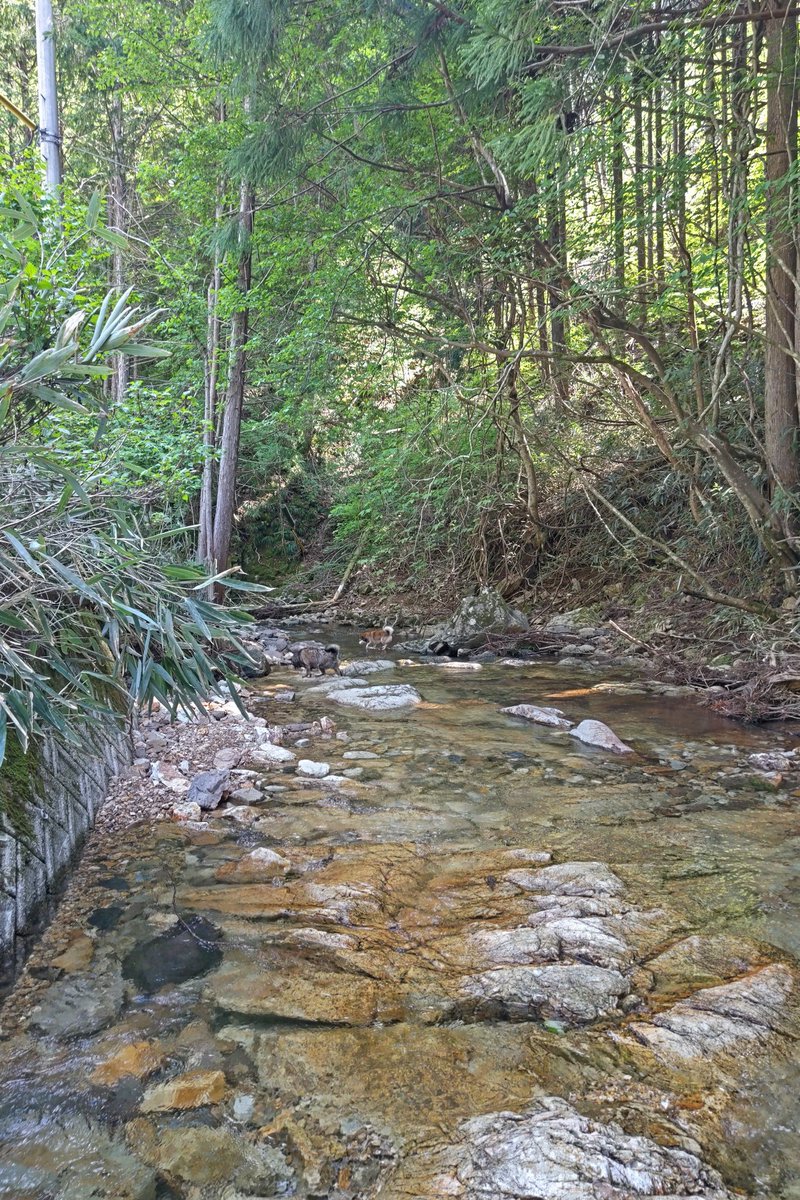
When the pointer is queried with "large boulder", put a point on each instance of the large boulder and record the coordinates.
(476, 618)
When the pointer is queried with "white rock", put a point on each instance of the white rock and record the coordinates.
(317, 770)
(187, 811)
(267, 753)
(264, 855)
(769, 760)
(378, 699)
(539, 715)
(595, 733)
(454, 664)
(359, 754)
(170, 777)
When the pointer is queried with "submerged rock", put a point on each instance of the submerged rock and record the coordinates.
(70, 1157)
(337, 684)
(138, 1059)
(81, 1004)
(188, 950)
(539, 715)
(595, 733)
(551, 1152)
(193, 1089)
(378, 699)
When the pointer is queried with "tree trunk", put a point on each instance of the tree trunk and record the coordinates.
(118, 221)
(780, 386)
(642, 215)
(232, 420)
(206, 534)
(49, 127)
(618, 196)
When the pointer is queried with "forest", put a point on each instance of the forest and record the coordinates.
(415, 295)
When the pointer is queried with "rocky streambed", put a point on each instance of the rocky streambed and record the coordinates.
(396, 943)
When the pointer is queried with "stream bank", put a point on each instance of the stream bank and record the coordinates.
(471, 958)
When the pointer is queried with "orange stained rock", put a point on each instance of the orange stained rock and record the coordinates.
(193, 1089)
(138, 1059)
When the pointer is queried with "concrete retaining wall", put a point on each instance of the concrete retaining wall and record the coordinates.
(65, 787)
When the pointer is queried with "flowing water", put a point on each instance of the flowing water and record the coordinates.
(377, 1008)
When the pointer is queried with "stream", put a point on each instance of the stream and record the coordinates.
(488, 962)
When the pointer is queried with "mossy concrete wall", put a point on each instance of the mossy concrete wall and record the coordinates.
(48, 801)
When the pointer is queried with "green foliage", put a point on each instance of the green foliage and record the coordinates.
(93, 617)
(150, 447)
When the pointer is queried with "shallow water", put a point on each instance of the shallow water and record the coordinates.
(332, 1009)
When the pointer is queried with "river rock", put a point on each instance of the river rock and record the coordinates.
(477, 617)
(552, 1152)
(360, 755)
(378, 699)
(569, 879)
(488, 936)
(207, 788)
(595, 733)
(247, 795)
(272, 755)
(256, 663)
(316, 770)
(193, 1089)
(367, 666)
(719, 1019)
(184, 952)
(71, 1157)
(575, 993)
(337, 684)
(80, 1004)
(540, 716)
(769, 760)
(243, 814)
(138, 1059)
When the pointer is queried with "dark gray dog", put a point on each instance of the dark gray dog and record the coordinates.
(312, 656)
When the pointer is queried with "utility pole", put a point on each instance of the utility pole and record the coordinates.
(49, 128)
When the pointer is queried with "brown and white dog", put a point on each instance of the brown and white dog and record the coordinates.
(377, 639)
